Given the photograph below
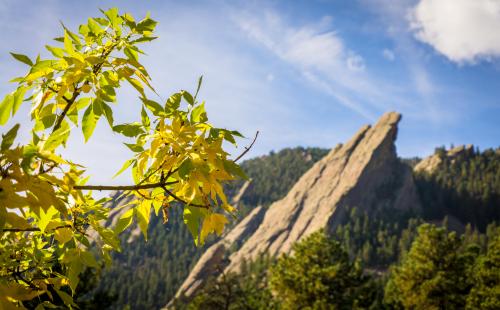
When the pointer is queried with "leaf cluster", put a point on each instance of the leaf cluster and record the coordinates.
(49, 219)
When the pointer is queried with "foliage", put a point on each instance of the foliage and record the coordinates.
(435, 274)
(142, 275)
(466, 185)
(46, 208)
(319, 275)
(486, 278)
(473, 283)
(378, 238)
(247, 289)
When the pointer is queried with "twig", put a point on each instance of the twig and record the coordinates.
(183, 201)
(247, 148)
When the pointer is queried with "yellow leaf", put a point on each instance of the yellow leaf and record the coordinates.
(45, 218)
(63, 235)
(18, 292)
(143, 215)
(212, 223)
(218, 222)
(17, 221)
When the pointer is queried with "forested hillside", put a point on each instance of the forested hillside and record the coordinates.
(403, 258)
(147, 274)
(465, 187)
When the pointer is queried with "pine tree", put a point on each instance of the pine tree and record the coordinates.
(319, 275)
(434, 274)
(486, 291)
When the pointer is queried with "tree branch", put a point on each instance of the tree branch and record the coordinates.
(69, 103)
(123, 187)
(31, 229)
(181, 200)
(154, 185)
(247, 148)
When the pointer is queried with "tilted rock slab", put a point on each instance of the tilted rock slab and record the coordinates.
(364, 173)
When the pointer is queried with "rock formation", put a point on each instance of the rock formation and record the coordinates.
(429, 164)
(364, 173)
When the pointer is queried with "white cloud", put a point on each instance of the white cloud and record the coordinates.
(388, 54)
(465, 31)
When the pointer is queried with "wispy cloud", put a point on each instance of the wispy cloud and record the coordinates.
(388, 54)
(318, 53)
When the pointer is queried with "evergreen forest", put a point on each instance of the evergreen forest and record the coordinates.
(445, 257)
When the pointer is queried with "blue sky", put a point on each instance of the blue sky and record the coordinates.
(306, 73)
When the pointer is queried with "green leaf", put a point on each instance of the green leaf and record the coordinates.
(94, 26)
(187, 96)
(125, 220)
(129, 130)
(112, 15)
(145, 118)
(88, 259)
(74, 270)
(185, 168)
(6, 108)
(57, 137)
(143, 39)
(108, 113)
(200, 80)
(18, 98)
(84, 30)
(192, 218)
(73, 36)
(234, 169)
(199, 115)
(56, 51)
(22, 58)
(173, 102)
(9, 137)
(146, 24)
(68, 44)
(237, 134)
(89, 122)
(131, 53)
(107, 93)
(124, 167)
(157, 204)
(134, 147)
(137, 85)
(153, 106)
(66, 298)
(229, 137)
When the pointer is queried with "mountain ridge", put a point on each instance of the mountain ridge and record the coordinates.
(351, 175)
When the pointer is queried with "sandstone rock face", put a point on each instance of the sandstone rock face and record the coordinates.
(214, 260)
(364, 173)
(429, 164)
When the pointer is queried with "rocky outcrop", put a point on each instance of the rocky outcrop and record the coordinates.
(429, 164)
(214, 259)
(364, 173)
